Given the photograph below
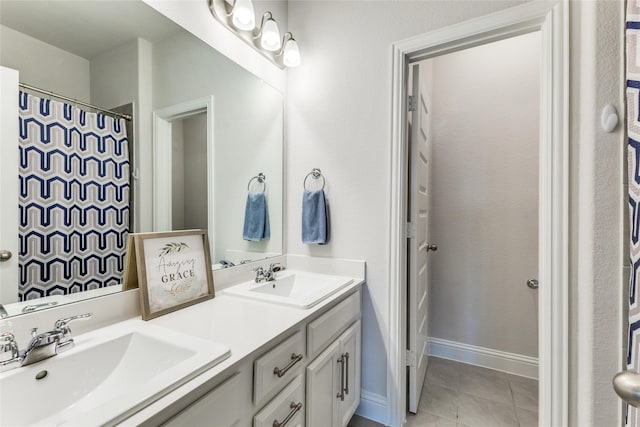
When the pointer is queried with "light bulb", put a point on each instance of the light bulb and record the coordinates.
(291, 54)
(244, 18)
(270, 39)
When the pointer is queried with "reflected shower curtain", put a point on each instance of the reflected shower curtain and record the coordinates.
(74, 198)
(633, 171)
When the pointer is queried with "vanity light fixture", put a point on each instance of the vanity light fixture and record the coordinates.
(269, 34)
(290, 52)
(239, 17)
(243, 15)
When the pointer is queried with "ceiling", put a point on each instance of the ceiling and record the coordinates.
(86, 28)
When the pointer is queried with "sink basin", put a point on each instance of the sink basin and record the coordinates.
(110, 374)
(292, 288)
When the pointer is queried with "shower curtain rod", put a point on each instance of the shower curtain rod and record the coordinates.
(75, 101)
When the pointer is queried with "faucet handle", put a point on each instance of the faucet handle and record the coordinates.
(9, 345)
(276, 266)
(61, 324)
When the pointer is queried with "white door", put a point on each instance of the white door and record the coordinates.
(417, 243)
(9, 185)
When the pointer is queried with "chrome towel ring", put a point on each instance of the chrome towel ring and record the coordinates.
(316, 174)
(261, 179)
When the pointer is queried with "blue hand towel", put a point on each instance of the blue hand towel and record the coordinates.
(256, 218)
(314, 217)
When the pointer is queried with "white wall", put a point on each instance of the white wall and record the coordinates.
(45, 66)
(338, 119)
(114, 76)
(484, 176)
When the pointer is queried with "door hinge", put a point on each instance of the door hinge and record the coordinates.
(411, 358)
(410, 230)
(413, 103)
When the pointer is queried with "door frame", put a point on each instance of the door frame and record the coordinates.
(551, 19)
(162, 158)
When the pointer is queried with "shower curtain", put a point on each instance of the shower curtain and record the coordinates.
(74, 198)
(633, 171)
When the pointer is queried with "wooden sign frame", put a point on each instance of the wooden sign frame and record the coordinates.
(172, 270)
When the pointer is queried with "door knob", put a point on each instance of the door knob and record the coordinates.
(432, 247)
(5, 255)
(627, 385)
(533, 283)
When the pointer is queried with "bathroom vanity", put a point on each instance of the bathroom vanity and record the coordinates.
(276, 364)
(308, 374)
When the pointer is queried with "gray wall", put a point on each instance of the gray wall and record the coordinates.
(484, 200)
(195, 171)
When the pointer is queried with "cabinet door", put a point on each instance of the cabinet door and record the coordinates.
(350, 349)
(323, 385)
(221, 407)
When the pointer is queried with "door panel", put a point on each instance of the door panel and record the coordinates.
(323, 383)
(9, 161)
(350, 343)
(418, 203)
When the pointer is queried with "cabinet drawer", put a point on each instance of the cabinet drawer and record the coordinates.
(222, 404)
(287, 408)
(330, 325)
(276, 368)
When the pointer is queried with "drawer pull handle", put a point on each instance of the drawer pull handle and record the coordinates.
(295, 358)
(346, 377)
(295, 408)
(341, 394)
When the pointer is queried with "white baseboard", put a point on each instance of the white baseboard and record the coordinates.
(373, 406)
(488, 358)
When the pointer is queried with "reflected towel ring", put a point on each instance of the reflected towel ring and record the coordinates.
(316, 173)
(261, 179)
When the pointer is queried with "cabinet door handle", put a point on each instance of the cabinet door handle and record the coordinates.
(295, 408)
(295, 358)
(341, 394)
(346, 377)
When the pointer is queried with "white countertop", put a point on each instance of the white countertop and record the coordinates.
(245, 326)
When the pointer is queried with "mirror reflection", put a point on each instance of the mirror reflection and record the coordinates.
(201, 129)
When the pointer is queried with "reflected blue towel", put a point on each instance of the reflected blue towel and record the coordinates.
(256, 218)
(314, 217)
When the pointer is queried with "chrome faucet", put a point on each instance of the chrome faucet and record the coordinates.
(274, 268)
(259, 274)
(42, 346)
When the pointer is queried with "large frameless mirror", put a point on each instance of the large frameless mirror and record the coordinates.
(189, 139)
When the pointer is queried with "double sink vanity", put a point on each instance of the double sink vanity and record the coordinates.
(279, 352)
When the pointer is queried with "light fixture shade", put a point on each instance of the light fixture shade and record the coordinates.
(243, 15)
(270, 38)
(291, 54)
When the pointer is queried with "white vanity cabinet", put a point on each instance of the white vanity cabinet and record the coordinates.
(333, 377)
(310, 376)
(333, 381)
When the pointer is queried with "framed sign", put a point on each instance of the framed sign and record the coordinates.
(172, 270)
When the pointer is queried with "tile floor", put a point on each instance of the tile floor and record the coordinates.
(460, 395)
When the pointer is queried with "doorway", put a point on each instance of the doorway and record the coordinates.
(480, 134)
(549, 19)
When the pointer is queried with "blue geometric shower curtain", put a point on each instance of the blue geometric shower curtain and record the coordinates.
(74, 198)
(633, 171)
